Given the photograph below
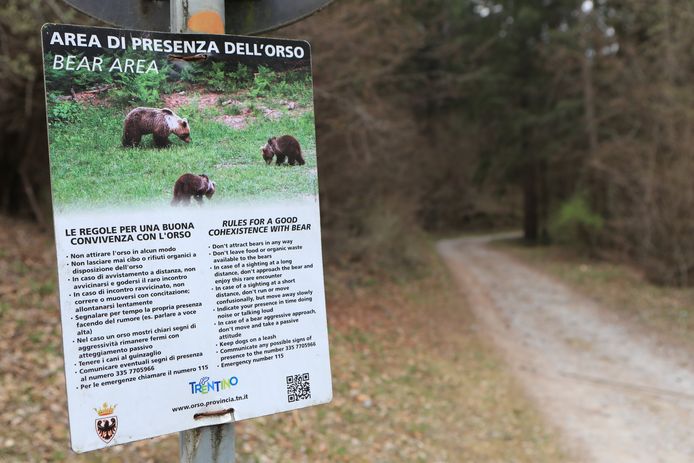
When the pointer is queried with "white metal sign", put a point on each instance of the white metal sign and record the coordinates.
(184, 179)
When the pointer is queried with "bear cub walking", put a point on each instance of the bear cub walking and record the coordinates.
(284, 147)
(192, 186)
(159, 122)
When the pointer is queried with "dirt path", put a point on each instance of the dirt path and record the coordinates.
(615, 395)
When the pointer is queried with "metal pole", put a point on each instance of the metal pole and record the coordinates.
(197, 16)
(209, 444)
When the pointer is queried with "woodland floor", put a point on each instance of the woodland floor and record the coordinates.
(412, 379)
(605, 374)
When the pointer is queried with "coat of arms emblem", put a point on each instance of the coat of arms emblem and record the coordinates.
(106, 425)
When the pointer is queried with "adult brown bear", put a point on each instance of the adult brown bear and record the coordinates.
(192, 186)
(159, 122)
(284, 147)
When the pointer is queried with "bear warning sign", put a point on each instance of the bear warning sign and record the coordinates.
(185, 195)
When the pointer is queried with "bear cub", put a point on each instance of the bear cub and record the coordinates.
(284, 147)
(159, 122)
(192, 186)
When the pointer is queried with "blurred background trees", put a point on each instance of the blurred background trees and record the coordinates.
(569, 119)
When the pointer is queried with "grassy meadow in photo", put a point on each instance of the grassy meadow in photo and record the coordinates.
(228, 126)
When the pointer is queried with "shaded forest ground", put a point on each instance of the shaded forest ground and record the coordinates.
(412, 379)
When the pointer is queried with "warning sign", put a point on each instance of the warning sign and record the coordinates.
(183, 171)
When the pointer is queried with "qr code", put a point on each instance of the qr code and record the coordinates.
(298, 387)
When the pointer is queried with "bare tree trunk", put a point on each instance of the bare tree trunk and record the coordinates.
(589, 101)
(531, 201)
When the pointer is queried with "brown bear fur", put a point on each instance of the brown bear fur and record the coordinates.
(190, 185)
(159, 122)
(284, 147)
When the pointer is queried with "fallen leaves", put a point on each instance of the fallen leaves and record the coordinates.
(411, 380)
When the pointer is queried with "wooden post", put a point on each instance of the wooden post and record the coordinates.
(216, 443)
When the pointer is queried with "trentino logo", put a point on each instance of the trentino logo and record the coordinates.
(205, 385)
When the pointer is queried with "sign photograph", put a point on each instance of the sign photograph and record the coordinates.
(186, 215)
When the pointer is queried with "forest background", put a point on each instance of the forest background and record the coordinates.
(570, 119)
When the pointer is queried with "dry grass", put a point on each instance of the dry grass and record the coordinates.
(412, 380)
